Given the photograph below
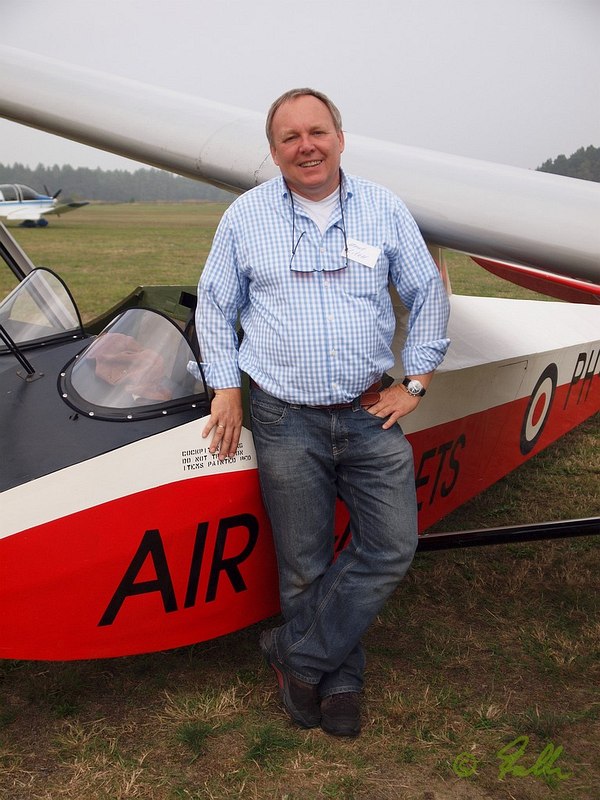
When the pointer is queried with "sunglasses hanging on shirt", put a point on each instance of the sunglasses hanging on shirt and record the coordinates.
(309, 211)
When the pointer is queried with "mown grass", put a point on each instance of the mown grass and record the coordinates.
(477, 648)
(104, 251)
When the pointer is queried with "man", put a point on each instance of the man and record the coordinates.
(306, 259)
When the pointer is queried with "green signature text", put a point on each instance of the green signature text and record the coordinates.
(511, 754)
(512, 763)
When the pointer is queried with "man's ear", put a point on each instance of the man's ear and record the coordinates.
(274, 155)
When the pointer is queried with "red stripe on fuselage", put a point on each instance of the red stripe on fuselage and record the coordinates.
(457, 460)
(79, 593)
(192, 560)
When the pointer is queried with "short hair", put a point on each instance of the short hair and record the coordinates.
(292, 94)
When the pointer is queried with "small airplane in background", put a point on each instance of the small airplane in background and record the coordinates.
(20, 203)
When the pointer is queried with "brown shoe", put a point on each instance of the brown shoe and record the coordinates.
(300, 699)
(340, 714)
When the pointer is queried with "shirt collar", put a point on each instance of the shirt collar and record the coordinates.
(346, 187)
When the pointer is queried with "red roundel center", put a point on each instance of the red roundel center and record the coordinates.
(540, 404)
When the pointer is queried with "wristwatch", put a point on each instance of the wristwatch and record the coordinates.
(413, 387)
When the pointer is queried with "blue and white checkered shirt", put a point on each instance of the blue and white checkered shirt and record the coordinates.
(318, 326)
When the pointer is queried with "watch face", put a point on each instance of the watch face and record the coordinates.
(413, 387)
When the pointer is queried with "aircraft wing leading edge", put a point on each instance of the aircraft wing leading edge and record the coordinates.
(493, 211)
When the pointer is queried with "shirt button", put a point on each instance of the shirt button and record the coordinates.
(333, 353)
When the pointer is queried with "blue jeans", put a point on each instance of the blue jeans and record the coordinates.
(307, 457)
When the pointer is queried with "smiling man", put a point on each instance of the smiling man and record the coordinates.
(306, 144)
(306, 260)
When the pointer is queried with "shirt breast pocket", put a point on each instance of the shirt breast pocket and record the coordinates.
(362, 281)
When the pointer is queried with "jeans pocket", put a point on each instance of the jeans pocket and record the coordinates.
(379, 420)
(267, 411)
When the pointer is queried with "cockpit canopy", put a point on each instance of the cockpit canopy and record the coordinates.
(141, 365)
(39, 310)
(18, 192)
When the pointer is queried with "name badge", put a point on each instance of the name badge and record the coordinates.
(364, 253)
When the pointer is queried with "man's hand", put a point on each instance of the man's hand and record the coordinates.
(226, 422)
(393, 403)
(396, 402)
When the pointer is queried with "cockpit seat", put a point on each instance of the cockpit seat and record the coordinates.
(122, 361)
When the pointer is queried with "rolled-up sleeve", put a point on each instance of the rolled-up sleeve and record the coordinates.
(220, 296)
(421, 289)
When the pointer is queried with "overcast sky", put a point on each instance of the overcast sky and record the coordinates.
(513, 81)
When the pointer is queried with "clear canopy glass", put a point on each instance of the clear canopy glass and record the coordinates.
(140, 362)
(40, 308)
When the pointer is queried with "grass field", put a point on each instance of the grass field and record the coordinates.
(483, 668)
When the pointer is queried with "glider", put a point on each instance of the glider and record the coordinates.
(120, 533)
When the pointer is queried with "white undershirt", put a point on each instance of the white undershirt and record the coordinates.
(318, 210)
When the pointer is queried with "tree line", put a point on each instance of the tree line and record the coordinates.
(148, 184)
(583, 163)
(116, 186)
